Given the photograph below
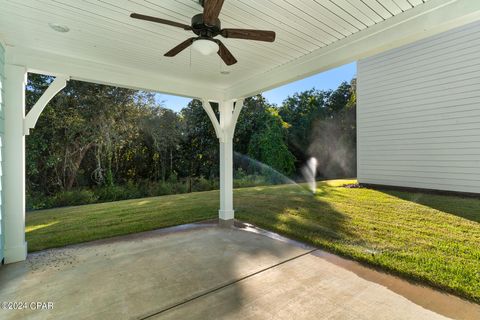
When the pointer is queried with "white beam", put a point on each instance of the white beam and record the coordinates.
(213, 118)
(32, 117)
(121, 76)
(14, 164)
(425, 20)
(236, 114)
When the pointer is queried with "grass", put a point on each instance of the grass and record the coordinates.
(434, 239)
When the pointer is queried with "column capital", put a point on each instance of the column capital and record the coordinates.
(13, 72)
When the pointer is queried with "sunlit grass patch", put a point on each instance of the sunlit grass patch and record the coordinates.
(30, 228)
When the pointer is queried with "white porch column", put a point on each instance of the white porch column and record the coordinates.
(14, 164)
(226, 211)
(229, 111)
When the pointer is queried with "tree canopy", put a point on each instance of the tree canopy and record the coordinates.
(96, 136)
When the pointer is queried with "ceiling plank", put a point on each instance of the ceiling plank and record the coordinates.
(102, 33)
(378, 8)
(423, 21)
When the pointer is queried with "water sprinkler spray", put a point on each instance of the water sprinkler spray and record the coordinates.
(309, 172)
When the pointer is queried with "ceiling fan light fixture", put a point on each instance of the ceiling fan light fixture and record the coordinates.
(205, 46)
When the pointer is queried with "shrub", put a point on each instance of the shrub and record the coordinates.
(73, 198)
(37, 201)
(240, 174)
(252, 180)
(180, 187)
(110, 193)
(117, 192)
(160, 189)
(202, 184)
(134, 190)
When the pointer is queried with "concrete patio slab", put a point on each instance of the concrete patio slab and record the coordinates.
(196, 272)
(304, 288)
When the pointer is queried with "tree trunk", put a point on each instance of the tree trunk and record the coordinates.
(76, 166)
(171, 162)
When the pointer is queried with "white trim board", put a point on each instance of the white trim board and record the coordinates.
(114, 75)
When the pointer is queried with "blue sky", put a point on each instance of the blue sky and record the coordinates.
(322, 81)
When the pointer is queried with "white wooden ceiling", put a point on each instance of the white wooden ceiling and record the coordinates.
(102, 31)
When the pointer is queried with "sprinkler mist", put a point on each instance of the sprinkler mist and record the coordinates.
(270, 175)
(309, 172)
(261, 168)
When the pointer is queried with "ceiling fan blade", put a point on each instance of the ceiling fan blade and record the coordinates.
(211, 11)
(225, 54)
(182, 46)
(249, 34)
(159, 20)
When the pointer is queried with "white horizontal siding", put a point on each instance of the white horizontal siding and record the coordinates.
(419, 114)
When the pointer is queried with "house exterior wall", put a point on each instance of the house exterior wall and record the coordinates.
(419, 114)
(2, 79)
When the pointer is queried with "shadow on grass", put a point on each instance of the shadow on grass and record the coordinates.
(295, 212)
(384, 229)
(464, 207)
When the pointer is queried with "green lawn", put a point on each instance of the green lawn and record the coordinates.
(431, 238)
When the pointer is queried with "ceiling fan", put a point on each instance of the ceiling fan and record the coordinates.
(207, 26)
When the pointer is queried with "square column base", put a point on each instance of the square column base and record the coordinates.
(226, 214)
(226, 223)
(15, 254)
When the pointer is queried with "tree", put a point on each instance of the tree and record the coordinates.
(81, 118)
(322, 125)
(261, 134)
(162, 127)
(94, 136)
(301, 111)
(199, 145)
(268, 145)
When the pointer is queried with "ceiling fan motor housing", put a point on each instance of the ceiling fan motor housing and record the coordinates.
(201, 29)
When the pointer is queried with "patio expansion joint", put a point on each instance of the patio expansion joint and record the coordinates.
(223, 286)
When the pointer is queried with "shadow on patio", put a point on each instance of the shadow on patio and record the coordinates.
(143, 274)
(139, 275)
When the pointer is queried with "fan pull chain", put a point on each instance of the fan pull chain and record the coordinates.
(190, 59)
